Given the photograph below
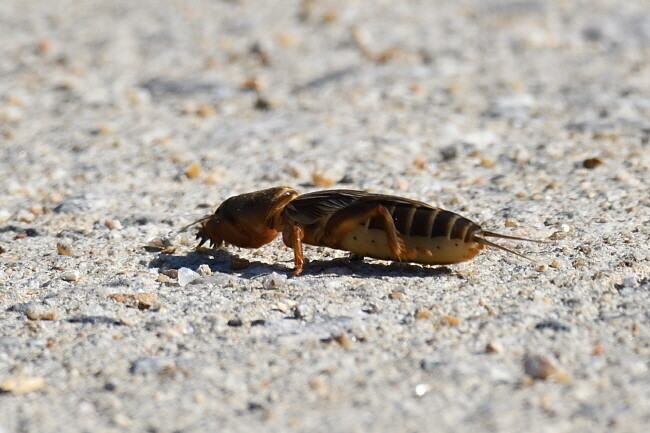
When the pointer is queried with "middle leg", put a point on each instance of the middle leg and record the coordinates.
(292, 235)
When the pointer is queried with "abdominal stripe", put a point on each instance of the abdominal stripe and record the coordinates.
(403, 218)
(423, 221)
(442, 225)
(460, 228)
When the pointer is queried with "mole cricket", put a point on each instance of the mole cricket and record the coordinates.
(365, 224)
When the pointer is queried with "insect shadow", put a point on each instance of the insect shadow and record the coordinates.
(358, 267)
(217, 260)
(220, 260)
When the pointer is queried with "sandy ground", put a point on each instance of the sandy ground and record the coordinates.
(122, 121)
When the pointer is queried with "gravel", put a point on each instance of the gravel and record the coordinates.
(122, 122)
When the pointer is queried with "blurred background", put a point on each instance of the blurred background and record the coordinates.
(122, 121)
(374, 94)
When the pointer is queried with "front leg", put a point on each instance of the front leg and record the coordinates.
(348, 218)
(292, 235)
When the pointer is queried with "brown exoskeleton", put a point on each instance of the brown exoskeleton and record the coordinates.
(373, 225)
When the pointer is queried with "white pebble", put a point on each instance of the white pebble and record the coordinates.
(186, 276)
(41, 312)
(274, 280)
(113, 224)
(25, 216)
(630, 280)
(71, 275)
(421, 389)
(4, 215)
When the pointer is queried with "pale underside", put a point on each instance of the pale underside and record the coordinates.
(433, 251)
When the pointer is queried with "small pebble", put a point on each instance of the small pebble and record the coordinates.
(281, 307)
(261, 53)
(264, 104)
(423, 313)
(598, 349)
(431, 363)
(205, 110)
(199, 397)
(396, 295)
(36, 210)
(64, 249)
(592, 163)
(71, 275)
(274, 281)
(253, 83)
(159, 243)
(4, 215)
(330, 16)
(422, 389)
(213, 177)
(121, 420)
(487, 162)
(162, 278)
(171, 273)
(541, 268)
(371, 309)
(113, 224)
(75, 204)
(321, 179)
(186, 276)
(235, 323)
(493, 347)
(580, 262)
(149, 364)
(629, 281)
(22, 384)
(41, 312)
(287, 40)
(193, 170)
(344, 340)
(449, 152)
(317, 384)
(420, 162)
(104, 129)
(540, 366)
(204, 270)
(553, 325)
(25, 216)
(302, 312)
(483, 303)
(401, 184)
(451, 320)
(175, 329)
(141, 301)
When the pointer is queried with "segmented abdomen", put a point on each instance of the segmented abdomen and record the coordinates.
(431, 235)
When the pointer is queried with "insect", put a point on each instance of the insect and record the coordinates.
(373, 225)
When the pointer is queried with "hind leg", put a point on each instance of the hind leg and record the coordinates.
(347, 219)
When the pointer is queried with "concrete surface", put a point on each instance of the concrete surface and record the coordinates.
(121, 122)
